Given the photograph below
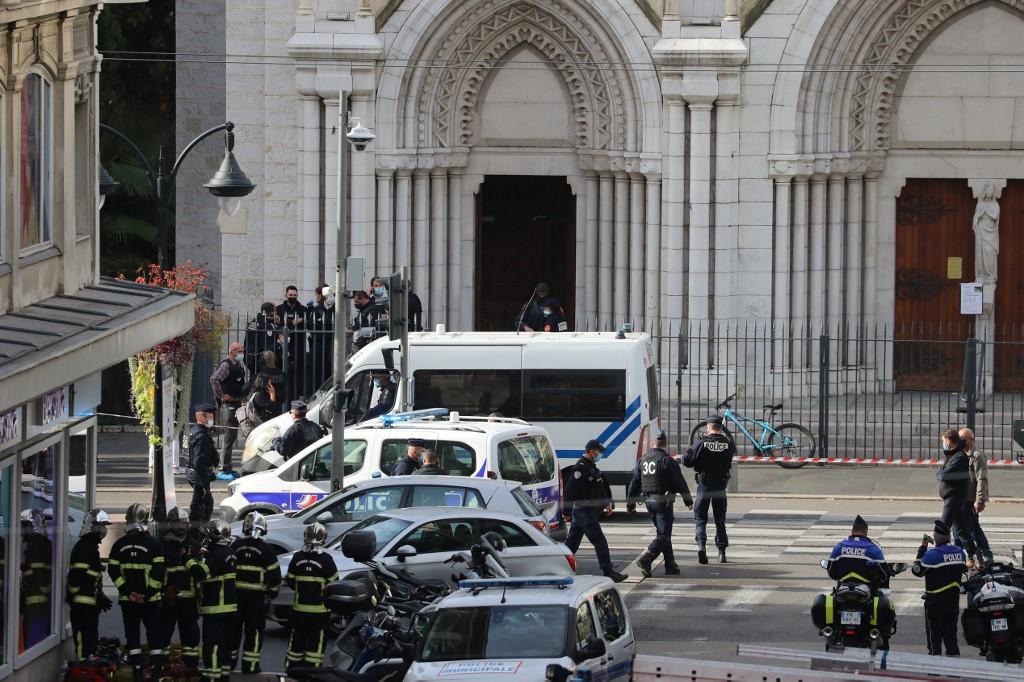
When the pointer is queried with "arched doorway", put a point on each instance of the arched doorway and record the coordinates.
(526, 233)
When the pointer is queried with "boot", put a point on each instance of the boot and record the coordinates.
(702, 554)
(721, 555)
(672, 568)
(644, 562)
(615, 575)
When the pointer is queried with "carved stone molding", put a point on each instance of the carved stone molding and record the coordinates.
(978, 185)
(83, 87)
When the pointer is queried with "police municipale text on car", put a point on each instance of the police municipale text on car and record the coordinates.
(519, 628)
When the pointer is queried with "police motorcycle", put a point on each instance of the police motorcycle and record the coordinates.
(993, 620)
(854, 614)
(385, 613)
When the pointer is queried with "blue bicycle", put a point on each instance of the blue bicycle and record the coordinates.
(791, 441)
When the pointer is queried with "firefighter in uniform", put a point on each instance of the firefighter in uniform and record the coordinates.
(137, 568)
(202, 470)
(658, 479)
(310, 570)
(259, 579)
(85, 584)
(36, 576)
(181, 551)
(218, 600)
(586, 495)
(711, 458)
(942, 566)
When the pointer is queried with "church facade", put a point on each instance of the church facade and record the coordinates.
(804, 163)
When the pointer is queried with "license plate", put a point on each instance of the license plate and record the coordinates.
(999, 624)
(850, 618)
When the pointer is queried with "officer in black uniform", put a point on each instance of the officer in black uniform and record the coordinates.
(215, 575)
(309, 571)
(202, 471)
(137, 567)
(85, 584)
(229, 386)
(586, 494)
(181, 551)
(258, 581)
(658, 479)
(711, 457)
(943, 567)
(300, 435)
(411, 462)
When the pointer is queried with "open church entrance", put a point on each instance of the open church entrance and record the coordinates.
(526, 233)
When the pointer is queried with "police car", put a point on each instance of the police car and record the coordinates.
(573, 625)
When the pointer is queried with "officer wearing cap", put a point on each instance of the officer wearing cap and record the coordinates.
(300, 435)
(411, 462)
(942, 567)
(711, 457)
(203, 462)
(586, 494)
(657, 479)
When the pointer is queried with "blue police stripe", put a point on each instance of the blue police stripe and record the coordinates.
(279, 500)
(612, 428)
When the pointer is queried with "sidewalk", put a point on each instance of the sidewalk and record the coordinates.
(123, 479)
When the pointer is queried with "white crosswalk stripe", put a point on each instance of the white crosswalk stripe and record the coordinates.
(661, 597)
(747, 598)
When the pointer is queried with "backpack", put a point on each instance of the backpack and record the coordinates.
(247, 416)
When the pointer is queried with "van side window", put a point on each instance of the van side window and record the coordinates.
(470, 392)
(610, 614)
(318, 462)
(574, 395)
(527, 459)
(585, 630)
(458, 459)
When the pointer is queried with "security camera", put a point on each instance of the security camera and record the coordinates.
(359, 136)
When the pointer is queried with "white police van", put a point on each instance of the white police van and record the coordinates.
(577, 385)
(527, 629)
(501, 448)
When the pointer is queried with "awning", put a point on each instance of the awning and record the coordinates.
(64, 338)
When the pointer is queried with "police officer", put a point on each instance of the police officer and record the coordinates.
(586, 494)
(258, 581)
(711, 458)
(228, 384)
(310, 569)
(137, 567)
(203, 459)
(942, 567)
(657, 478)
(181, 551)
(85, 584)
(218, 605)
(858, 558)
(411, 462)
(300, 435)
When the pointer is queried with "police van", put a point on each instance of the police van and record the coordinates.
(500, 448)
(577, 385)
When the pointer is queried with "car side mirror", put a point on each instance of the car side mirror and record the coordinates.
(556, 673)
(406, 552)
(824, 563)
(325, 517)
(592, 649)
(304, 473)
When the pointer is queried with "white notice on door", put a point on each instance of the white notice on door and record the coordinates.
(971, 296)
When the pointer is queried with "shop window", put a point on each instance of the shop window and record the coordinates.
(6, 546)
(76, 486)
(36, 193)
(38, 529)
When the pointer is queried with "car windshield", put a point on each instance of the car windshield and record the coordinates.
(496, 632)
(384, 529)
(314, 510)
(527, 459)
(526, 502)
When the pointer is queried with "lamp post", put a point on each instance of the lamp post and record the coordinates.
(229, 184)
(359, 137)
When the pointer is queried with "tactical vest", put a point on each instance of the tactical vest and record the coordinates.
(235, 380)
(651, 472)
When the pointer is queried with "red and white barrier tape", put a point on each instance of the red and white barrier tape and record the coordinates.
(755, 459)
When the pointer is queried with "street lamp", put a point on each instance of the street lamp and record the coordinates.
(229, 184)
(360, 138)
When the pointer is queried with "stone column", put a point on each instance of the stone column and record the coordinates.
(438, 246)
(311, 247)
(589, 321)
(725, 304)
(362, 204)
(854, 284)
(621, 258)
(835, 244)
(673, 196)
(699, 285)
(783, 256)
(385, 239)
(577, 316)
(606, 246)
(817, 282)
(329, 190)
(636, 250)
(470, 185)
(652, 263)
(800, 275)
(403, 218)
(457, 315)
(421, 243)
(870, 252)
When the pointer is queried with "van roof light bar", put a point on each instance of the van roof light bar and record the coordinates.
(483, 583)
(396, 417)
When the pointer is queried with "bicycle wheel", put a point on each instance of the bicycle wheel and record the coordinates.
(700, 429)
(797, 441)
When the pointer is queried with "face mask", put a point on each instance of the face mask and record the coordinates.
(547, 312)
(376, 383)
(378, 291)
(234, 356)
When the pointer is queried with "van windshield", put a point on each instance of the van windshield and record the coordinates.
(527, 459)
(496, 632)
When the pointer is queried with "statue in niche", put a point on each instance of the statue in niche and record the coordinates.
(986, 236)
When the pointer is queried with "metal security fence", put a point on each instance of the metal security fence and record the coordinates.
(881, 393)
